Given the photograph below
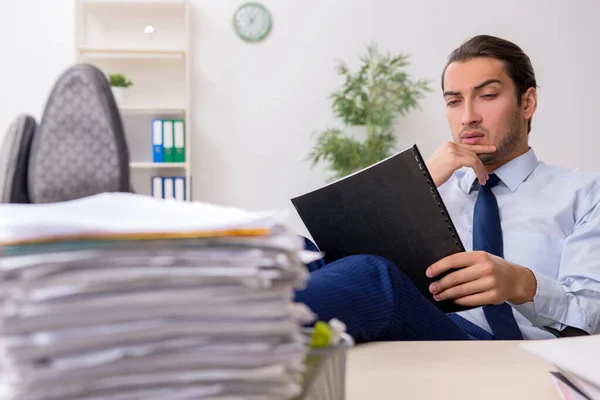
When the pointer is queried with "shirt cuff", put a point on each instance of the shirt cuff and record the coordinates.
(549, 303)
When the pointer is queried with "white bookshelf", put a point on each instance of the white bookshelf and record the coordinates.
(114, 35)
(148, 109)
(134, 2)
(153, 165)
(124, 53)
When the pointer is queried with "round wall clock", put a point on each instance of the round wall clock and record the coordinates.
(252, 22)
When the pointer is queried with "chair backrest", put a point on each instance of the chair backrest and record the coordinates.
(14, 160)
(79, 148)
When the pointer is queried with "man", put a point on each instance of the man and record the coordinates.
(533, 230)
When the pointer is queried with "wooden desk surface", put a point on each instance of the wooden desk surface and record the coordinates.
(447, 370)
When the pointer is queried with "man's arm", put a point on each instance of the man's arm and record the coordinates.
(573, 298)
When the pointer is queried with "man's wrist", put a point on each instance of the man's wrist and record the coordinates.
(525, 287)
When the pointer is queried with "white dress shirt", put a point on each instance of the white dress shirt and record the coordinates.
(550, 219)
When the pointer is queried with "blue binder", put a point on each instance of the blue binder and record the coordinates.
(157, 140)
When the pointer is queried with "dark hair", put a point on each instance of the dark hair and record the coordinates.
(517, 63)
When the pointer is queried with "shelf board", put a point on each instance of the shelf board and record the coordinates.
(94, 52)
(152, 165)
(135, 2)
(144, 109)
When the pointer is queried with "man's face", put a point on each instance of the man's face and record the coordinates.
(481, 107)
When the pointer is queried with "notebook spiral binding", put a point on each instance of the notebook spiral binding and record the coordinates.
(437, 197)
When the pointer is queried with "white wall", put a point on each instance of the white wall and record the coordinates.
(256, 105)
(36, 40)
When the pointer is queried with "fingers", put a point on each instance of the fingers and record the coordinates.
(470, 159)
(468, 153)
(452, 156)
(466, 289)
(478, 299)
(456, 278)
(478, 148)
(457, 260)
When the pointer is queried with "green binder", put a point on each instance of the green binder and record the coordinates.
(168, 139)
(179, 140)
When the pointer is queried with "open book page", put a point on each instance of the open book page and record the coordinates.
(577, 356)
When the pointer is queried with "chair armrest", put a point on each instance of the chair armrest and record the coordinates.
(569, 331)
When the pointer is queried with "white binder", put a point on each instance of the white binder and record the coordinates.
(168, 188)
(157, 187)
(180, 188)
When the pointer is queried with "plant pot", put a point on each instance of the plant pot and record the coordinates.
(119, 93)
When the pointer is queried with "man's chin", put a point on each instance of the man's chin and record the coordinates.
(487, 158)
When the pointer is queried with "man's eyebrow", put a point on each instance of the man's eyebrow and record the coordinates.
(449, 93)
(479, 86)
(488, 82)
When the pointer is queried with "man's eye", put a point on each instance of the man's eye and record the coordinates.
(489, 96)
(452, 103)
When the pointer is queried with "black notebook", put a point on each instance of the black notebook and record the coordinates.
(390, 209)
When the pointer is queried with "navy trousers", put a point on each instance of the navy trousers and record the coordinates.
(378, 302)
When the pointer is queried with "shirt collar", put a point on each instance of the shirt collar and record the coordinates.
(513, 173)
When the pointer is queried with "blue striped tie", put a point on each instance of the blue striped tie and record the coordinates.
(487, 236)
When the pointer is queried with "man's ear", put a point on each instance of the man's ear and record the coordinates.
(529, 102)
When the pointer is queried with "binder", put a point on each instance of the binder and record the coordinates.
(157, 140)
(168, 140)
(179, 133)
(168, 187)
(391, 209)
(157, 187)
(180, 188)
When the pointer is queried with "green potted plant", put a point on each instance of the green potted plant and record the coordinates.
(118, 84)
(368, 103)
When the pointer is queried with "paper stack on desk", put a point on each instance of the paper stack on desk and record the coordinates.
(123, 297)
(576, 360)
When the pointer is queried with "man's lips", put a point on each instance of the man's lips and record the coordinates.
(472, 134)
(472, 137)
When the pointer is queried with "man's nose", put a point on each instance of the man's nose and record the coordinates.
(470, 115)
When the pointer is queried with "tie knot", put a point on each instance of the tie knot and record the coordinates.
(492, 181)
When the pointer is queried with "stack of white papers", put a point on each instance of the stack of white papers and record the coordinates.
(576, 360)
(127, 297)
(124, 213)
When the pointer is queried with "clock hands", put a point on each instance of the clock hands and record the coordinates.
(253, 16)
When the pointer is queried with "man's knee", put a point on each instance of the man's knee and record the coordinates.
(369, 267)
(356, 289)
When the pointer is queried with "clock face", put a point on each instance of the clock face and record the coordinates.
(252, 22)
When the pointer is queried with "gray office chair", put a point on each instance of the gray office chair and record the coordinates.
(79, 148)
(14, 160)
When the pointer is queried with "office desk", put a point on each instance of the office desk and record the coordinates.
(446, 370)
